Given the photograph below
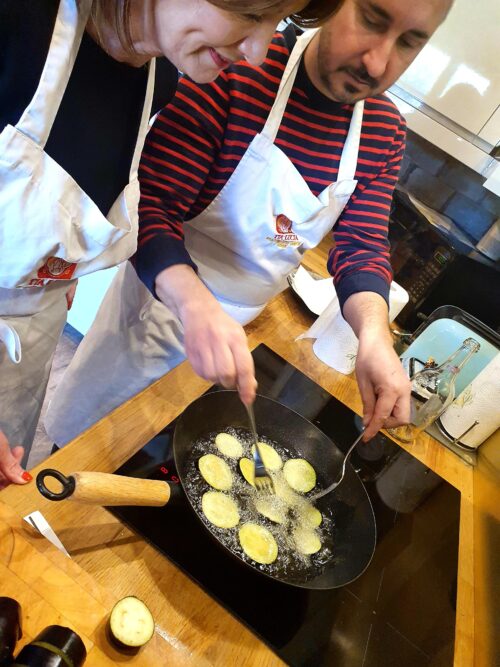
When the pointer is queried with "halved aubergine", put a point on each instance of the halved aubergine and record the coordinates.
(131, 624)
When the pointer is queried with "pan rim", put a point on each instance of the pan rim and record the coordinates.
(180, 469)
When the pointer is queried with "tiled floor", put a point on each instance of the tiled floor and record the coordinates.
(64, 353)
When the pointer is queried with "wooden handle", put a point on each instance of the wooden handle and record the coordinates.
(100, 488)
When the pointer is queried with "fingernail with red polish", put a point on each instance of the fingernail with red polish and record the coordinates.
(26, 476)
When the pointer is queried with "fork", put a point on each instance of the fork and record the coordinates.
(263, 481)
(334, 485)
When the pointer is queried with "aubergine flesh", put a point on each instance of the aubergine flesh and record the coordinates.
(131, 624)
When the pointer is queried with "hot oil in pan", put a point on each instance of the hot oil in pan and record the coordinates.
(290, 565)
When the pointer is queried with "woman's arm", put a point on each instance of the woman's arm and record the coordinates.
(178, 156)
(216, 345)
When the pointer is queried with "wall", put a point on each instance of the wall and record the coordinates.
(457, 73)
(89, 294)
(450, 187)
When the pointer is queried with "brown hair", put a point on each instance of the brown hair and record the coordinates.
(311, 16)
(117, 13)
(315, 13)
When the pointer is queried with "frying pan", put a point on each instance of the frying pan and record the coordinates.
(353, 530)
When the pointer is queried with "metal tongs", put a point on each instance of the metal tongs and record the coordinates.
(263, 481)
(334, 485)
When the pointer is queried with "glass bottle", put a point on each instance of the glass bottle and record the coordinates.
(432, 391)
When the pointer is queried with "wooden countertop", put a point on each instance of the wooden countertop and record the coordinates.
(192, 628)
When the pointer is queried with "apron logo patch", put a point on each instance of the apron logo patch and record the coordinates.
(285, 236)
(56, 268)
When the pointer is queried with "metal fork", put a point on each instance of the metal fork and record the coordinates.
(338, 481)
(263, 481)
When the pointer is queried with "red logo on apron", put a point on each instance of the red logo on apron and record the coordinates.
(283, 224)
(56, 268)
(285, 236)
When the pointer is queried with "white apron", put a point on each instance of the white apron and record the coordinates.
(244, 243)
(51, 232)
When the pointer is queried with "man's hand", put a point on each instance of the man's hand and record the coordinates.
(216, 345)
(10, 468)
(383, 383)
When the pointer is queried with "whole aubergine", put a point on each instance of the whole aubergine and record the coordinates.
(10, 628)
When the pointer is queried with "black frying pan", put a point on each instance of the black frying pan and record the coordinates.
(353, 531)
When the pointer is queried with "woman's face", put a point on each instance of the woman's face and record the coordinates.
(201, 40)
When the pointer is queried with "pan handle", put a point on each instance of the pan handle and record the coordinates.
(100, 488)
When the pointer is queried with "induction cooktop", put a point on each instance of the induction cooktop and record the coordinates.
(400, 611)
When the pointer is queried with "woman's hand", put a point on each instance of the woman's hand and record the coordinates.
(216, 345)
(10, 464)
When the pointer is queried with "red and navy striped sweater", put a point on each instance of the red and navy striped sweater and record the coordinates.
(198, 139)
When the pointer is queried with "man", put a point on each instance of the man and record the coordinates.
(238, 179)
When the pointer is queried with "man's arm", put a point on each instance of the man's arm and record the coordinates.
(382, 381)
(360, 263)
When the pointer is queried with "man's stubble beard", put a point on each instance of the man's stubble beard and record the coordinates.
(339, 96)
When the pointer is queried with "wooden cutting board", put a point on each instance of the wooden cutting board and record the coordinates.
(53, 589)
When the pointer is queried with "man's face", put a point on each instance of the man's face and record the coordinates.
(366, 46)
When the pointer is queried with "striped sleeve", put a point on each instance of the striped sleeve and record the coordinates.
(360, 260)
(179, 151)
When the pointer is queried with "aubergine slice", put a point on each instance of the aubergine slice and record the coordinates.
(247, 469)
(258, 543)
(272, 507)
(270, 457)
(228, 445)
(131, 624)
(215, 472)
(306, 540)
(310, 515)
(10, 628)
(56, 646)
(300, 475)
(220, 509)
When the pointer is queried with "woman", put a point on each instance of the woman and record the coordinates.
(75, 103)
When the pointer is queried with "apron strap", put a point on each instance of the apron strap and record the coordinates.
(275, 117)
(10, 338)
(144, 126)
(38, 117)
(349, 157)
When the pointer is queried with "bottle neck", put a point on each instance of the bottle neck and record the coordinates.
(459, 358)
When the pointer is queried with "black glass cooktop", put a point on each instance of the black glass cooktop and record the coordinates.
(400, 611)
